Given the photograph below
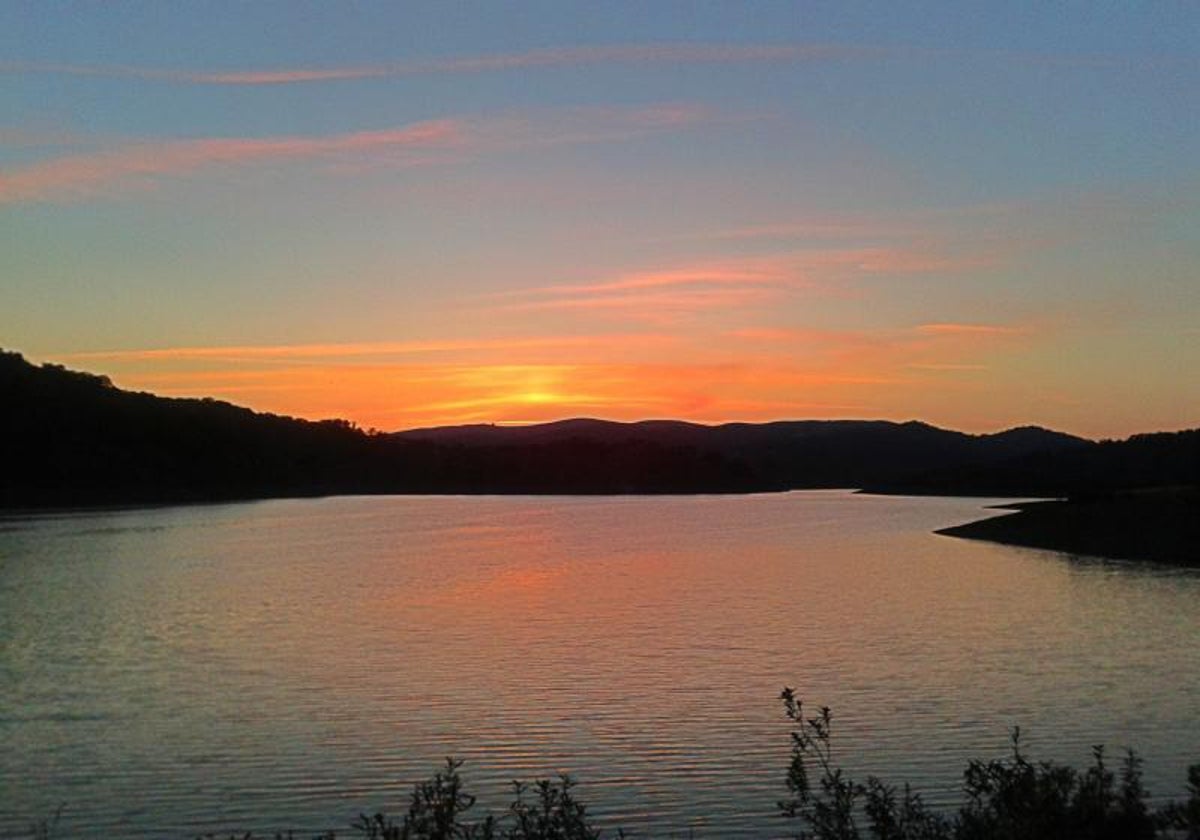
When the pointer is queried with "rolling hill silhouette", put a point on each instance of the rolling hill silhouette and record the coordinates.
(70, 438)
(771, 456)
(1160, 460)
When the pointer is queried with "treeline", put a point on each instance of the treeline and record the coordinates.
(781, 455)
(70, 438)
(73, 438)
(1164, 459)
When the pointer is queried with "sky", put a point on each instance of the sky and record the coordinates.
(979, 215)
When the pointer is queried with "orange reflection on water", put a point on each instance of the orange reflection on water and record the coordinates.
(637, 643)
(522, 583)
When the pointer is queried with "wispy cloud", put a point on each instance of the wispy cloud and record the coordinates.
(347, 352)
(751, 372)
(897, 260)
(943, 347)
(584, 125)
(959, 237)
(836, 228)
(672, 292)
(927, 244)
(828, 339)
(578, 56)
(971, 329)
(657, 307)
(947, 367)
(718, 274)
(661, 295)
(85, 174)
(574, 56)
(706, 392)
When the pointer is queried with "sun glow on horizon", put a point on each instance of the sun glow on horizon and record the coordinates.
(972, 218)
(934, 372)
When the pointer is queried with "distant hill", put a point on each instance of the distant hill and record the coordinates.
(1163, 459)
(69, 438)
(775, 456)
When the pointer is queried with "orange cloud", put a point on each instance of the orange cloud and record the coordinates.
(664, 295)
(810, 335)
(768, 334)
(702, 275)
(843, 263)
(405, 395)
(892, 355)
(749, 373)
(705, 392)
(654, 308)
(402, 398)
(667, 294)
(947, 366)
(86, 174)
(970, 329)
(368, 350)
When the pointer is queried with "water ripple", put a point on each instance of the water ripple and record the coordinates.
(286, 665)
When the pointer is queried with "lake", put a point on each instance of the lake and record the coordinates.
(287, 664)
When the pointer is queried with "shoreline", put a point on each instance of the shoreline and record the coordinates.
(1158, 526)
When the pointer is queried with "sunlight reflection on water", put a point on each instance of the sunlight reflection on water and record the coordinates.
(287, 664)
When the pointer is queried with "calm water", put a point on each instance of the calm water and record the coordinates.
(287, 664)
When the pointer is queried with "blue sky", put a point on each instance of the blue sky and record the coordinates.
(976, 214)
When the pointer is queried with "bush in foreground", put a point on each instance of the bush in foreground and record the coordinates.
(1007, 799)
(438, 811)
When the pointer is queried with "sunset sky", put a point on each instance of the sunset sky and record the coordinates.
(977, 215)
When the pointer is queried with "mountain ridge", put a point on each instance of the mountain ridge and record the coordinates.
(72, 438)
(575, 425)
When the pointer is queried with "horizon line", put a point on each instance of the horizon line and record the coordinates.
(519, 423)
